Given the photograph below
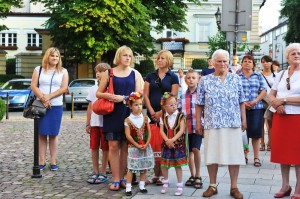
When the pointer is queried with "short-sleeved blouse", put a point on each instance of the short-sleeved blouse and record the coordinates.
(221, 101)
(252, 87)
(158, 86)
(282, 91)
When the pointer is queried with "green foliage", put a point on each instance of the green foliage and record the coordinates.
(89, 29)
(199, 64)
(216, 42)
(5, 78)
(291, 10)
(11, 66)
(2, 109)
(5, 5)
(145, 67)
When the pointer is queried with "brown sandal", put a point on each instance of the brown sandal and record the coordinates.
(269, 148)
(262, 147)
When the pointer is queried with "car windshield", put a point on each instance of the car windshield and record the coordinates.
(17, 85)
(82, 83)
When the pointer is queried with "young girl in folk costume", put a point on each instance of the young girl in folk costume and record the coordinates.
(174, 147)
(137, 130)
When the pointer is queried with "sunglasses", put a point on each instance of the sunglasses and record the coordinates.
(288, 86)
(158, 82)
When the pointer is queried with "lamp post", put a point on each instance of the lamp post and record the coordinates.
(277, 52)
(218, 18)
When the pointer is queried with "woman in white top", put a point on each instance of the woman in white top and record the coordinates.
(53, 82)
(269, 77)
(285, 98)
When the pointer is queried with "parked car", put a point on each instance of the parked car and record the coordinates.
(80, 89)
(18, 92)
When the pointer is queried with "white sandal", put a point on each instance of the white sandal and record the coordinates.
(165, 186)
(179, 191)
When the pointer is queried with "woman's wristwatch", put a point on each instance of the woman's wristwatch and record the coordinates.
(284, 101)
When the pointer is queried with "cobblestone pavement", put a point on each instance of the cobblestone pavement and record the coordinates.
(16, 162)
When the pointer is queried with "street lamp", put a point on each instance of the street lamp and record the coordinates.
(218, 18)
(277, 53)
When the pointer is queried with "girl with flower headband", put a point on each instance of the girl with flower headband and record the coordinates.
(138, 134)
(174, 147)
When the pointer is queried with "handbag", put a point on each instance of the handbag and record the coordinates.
(156, 141)
(103, 106)
(34, 106)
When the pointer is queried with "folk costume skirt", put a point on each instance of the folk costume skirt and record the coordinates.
(139, 161)
(285, 139)
(223, 146)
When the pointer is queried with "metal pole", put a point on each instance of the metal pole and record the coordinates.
(36, 169)
(72, 105)
(7, 106)
(236, 25)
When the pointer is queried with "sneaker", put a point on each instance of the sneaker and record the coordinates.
(53, 167)
(42, 167)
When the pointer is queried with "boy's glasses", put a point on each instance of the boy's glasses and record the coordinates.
(288, 86)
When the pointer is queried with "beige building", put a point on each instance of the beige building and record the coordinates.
(24, 41)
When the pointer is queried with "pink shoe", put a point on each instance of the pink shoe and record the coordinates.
(165, 187)
(179, 191)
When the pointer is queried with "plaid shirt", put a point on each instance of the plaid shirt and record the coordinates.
(252, 87)
(187, 103)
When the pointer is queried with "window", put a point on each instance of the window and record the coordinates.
(34, 40)
(8, 39)
(203, 31)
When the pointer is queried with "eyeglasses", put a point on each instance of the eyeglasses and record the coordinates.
(288, 86)
(171, 105)
(158, 82)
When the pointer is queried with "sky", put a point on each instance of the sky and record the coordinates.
(269, 14)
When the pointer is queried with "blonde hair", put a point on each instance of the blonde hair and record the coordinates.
(120, 52)
(102, 67)
(169, 57)
(45, 61)
(291, 47)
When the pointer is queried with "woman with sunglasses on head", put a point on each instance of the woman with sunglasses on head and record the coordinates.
(156, 84)
(285, 99)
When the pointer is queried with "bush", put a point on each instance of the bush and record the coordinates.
(145, 67)
(5, 78)
(199, 64)
(2, 109)
(11, 66)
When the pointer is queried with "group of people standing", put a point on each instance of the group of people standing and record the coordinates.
(217, 107)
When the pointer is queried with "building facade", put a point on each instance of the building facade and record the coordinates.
(22, 40)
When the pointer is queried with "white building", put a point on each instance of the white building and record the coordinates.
(201, 23)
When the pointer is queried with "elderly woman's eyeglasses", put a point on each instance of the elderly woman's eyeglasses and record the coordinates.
(288, 86)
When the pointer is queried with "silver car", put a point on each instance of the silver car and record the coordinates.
(80, 89)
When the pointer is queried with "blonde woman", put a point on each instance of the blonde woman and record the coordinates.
(53, 82)
(125, 81)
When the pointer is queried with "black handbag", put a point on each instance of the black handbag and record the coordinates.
(34, 106)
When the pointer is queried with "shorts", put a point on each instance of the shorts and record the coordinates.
(195, 141)
(97, 139)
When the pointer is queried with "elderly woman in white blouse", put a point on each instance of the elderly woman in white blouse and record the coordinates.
(220, 95)
(285, 99)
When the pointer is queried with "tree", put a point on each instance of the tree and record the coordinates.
(88, 29)
(216, 42)
(291, 10)
(199, 64)
(5, 6)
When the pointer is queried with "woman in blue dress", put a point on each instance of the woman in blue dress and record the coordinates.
(125, 81)
(220, 95)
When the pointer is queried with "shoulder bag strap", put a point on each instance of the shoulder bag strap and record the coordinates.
(282, 75)
(51, 81)
(266, 80)
(38, 82)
